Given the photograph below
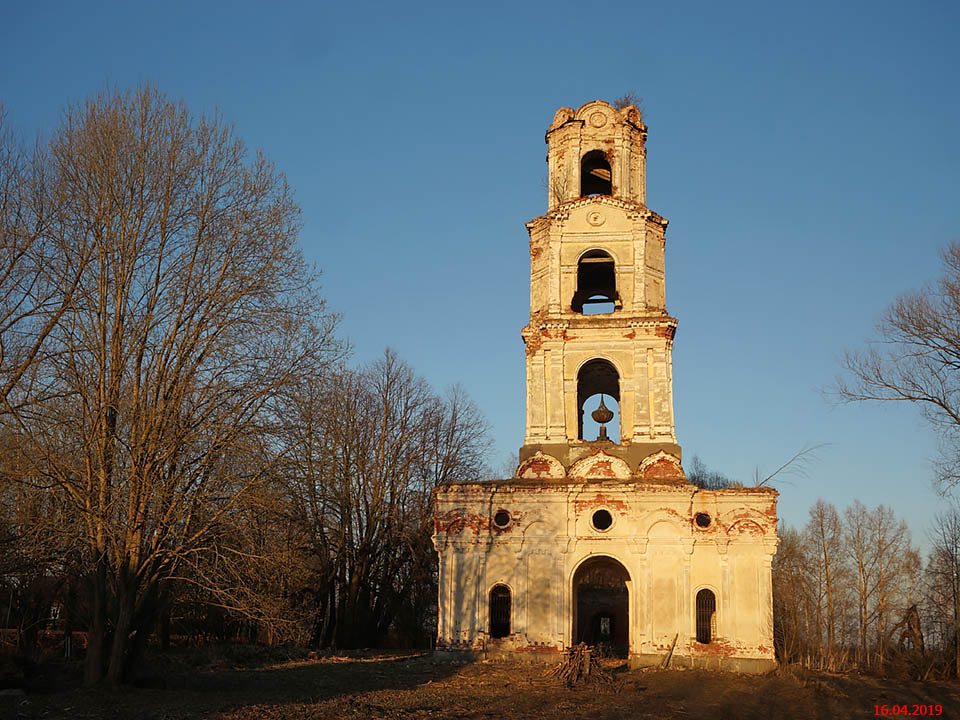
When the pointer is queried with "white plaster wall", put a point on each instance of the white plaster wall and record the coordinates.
(668, 558)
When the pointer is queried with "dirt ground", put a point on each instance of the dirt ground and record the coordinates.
(415, 686)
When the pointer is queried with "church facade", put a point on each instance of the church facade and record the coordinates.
(598, 537)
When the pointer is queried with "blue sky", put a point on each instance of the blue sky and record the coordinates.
(805, 154)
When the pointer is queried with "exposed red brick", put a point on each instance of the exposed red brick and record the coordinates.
(600, 500)
(745, 527)
(538, 467)
(538, 649)
(662, 469)
(454, 522)
(717, 648)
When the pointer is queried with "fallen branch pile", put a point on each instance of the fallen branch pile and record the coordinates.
(581, 665)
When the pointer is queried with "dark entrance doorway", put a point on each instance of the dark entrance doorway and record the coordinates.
(602, 599)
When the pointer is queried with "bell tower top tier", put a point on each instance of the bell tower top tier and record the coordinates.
(599, 331)
(597, 150)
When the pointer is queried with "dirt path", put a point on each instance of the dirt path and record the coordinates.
(416, 687)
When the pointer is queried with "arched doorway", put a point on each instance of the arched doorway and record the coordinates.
(601, 602)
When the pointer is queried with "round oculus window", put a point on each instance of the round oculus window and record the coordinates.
(602, 520)
(501, 519)
(702, 520)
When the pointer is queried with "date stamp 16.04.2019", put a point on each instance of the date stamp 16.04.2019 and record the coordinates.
(912, 709)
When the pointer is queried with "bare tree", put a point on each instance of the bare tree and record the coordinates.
(626, 100)
(916, 359)
(369, 447)
(194, 313)
(842, 585)
(882, 559)
(826, 540)
(700, 475)
(792, 606)
(944, 573)
(37, 279)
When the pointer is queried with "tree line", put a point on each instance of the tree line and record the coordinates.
(182, 444)
(851, 591)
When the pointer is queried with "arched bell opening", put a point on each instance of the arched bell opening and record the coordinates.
(598, 383)
(596, 284)
(601, 596)
(595, 175)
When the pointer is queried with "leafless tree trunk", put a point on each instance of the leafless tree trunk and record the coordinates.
(790, 595)
(945, 569)
(859, 554)
(894, 560)
(193, 314)
(824, 532)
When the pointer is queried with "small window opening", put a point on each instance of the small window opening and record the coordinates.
(706, 616)
(595, 174)
(499, 611)
(596, 284)
(602, 519)
(501, 519)
(606, 627)
(598, 382)
(702, 520)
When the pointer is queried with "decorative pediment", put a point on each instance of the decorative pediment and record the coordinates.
(600, 467)
(661, 467)
(541, 466)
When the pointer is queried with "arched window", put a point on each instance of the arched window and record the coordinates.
(499, 611)
(596, 284)
(706, 616)
(598, 378)
(595, 175)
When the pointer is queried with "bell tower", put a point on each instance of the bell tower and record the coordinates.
(598, 319)
(598, 538)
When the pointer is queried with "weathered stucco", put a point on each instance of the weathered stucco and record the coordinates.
(597, 538)
(654, 536)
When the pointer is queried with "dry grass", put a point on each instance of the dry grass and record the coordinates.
(414, 686)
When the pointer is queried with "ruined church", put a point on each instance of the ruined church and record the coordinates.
(598, 537)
